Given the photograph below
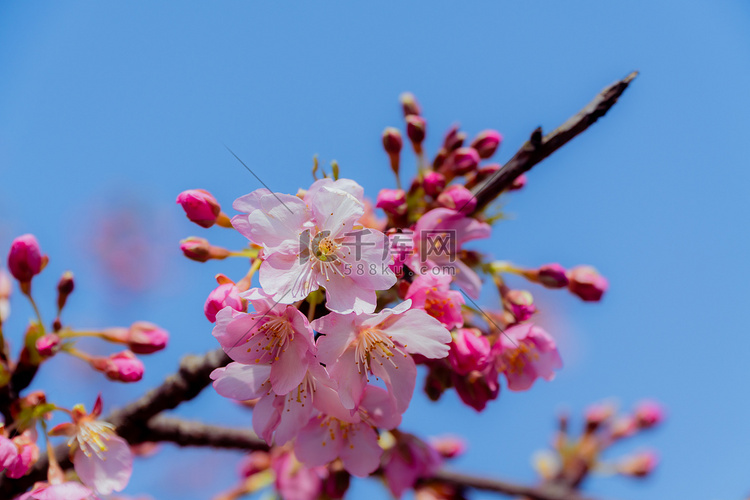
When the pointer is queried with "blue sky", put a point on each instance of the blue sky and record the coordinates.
(108, 111)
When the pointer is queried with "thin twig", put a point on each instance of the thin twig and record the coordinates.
(539, 147)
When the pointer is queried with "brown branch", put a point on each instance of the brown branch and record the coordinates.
(539, 147)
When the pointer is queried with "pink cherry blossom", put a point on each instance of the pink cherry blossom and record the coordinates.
(122, 366)
(278, 335)
(458, 198)
(430, 256)
(392, 201)
(407, 461)
(25, 259)
(356, 346)
(477, 388)
(102, 459)
(200, 206)
(524, 353)
(224, 295)
(432, 293)
(294, 481)
(354, 439)
(313, 243)
(469, 351)
(69, 490)
(433, 183)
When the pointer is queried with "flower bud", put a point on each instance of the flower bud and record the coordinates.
(640, 465)
(458, 198)
(453, 139)
(47, 345)
(649, 414)
(520, 304)
(392, 201)
(336, 484)
(392, 142)
(64, 288)
(225, 295)
(5, 291)
(469, 351)
(433, 183)
(200, 250)
(518, 183)
(121, 367)
(623, 427)
(26, 456)
(438, 379)
(463, 161)
(409, 104)
(145, 338)
(587, 283)
(486, 143)
(448, 446)
(597, 414)
(25, 259)
(552, 276)
(416, 129)
(200, 206)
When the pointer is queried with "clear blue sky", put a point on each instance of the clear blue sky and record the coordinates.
(114, 108)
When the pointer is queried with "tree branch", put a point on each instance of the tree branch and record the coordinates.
(539, 147)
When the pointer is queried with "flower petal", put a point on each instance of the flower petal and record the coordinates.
(109, 473)
(241, 382)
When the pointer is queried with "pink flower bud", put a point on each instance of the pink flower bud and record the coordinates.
(409, 104)
(121, 367)
(648, 414)
(64, 288)
(640, 465)
(226, 295)
(518, 183)
(416, 129)
(433, 183)
(520, 303)
(458, 198)
(25, 258)
(392, 201)
(145, 338)
(587, 283)
(469, 351)
(597, 414)
(477, 388)
(27, 455)
(200, 250)
(487, 142)
(47, 344)
(392, 142)
(464, 160)
(448, 446)
(200, 206)
(552, 276)
(454, 139)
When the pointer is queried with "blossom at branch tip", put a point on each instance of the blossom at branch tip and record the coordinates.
(587, 283)
(315, 242)
(392, 201)
(200, 206)
(102, 459)
(458, 198)
(469, 351)
(69, 490)
(523, 353)
(277, 335)
(25, 259)
(433, 183)
(487, 142)
(357, 346)
(432, 294)
(354, 440)
(18, 454)
(121, 367)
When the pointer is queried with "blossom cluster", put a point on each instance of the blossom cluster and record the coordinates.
(325, 347)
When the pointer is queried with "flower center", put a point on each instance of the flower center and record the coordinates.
(373, 345)
(515, 360)
(272, 338)
(91, 437)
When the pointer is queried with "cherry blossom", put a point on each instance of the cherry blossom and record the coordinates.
(524, 353)
(432, 293)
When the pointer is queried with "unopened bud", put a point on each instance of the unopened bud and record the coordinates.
(448, 446)
(587, 283)
(146, 338)
(597, 414)
(200, 250)
(469, 351)
(200, 206)
(486, 143)
(48, 344)
(477, 388)
(392, 201)
(433, 183)
(392, 142)
(518, 183)
(463, 161)
(458, 198)
(649, 414)
(224, 295)
(25, 259)
(416, 130)
(409, 104)
(640, 465)
(454, 139)
(550, 275)
(520, 304)
(121, 367)
(64, 288)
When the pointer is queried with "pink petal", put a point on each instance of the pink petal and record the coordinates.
(336, 211)
(241, 382)
(276, 221)
(266, 417)
(287, 278)
(380, 407)
(107, 474)
(290, 368)
(419, 333)
(361, 455)
(351, 381)
(319, 442)
(344, 295)
(399, 374)
(339, 332)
